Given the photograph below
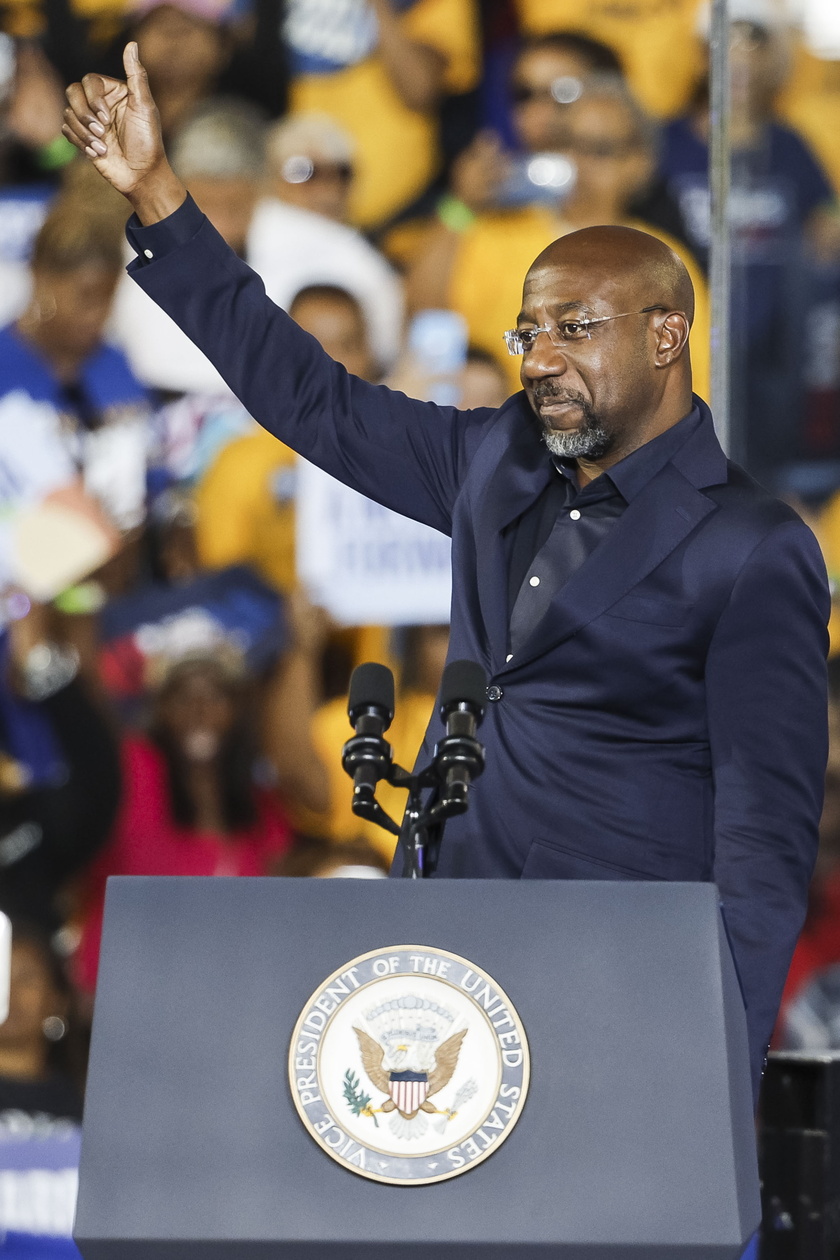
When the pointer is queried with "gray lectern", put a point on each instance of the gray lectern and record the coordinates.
(636, 1137)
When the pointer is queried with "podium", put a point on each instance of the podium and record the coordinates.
(636, 1136)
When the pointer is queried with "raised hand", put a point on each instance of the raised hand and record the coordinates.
(117, 126)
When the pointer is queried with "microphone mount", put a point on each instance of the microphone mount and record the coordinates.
(457, 760)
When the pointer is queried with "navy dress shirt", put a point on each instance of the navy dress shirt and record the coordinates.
(561, 529)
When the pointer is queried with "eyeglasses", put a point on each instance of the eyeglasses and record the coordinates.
(523, 340)
(299, 169)
(563, 90)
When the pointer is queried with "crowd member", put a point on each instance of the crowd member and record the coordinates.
(37, 1073)
(656, 43)
(544, 80)
(57, 374)
(174, 607)
(220, 153)
(246, 499)
(32, 148)
(246, 505)
(186, 45)
(299, 234)
(475, 266)
(782, 202)
(381, 70)
(33, 153)
(310, 165)
(810, 101)
(59, 773)
(483, 382)
(546, 73)
(191, 804)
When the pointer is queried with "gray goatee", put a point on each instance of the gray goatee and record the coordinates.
(590, 441)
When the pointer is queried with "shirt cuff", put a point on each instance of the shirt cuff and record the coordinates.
(159, 239)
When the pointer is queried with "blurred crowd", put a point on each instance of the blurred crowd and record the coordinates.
(390, 168)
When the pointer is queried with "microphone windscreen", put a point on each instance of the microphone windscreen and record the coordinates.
(463, 681)
(371, 685)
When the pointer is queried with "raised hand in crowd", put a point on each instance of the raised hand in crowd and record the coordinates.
(478, 173)
(293, 695)
(34, 112)
(415, 69)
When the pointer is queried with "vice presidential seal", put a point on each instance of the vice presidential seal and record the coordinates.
(409, 1065)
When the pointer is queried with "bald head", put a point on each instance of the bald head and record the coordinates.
(609, 368)
(635, 263)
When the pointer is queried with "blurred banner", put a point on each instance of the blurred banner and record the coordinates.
(365, 564)
(39, 1161)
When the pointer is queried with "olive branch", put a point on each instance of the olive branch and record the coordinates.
(358, 1102)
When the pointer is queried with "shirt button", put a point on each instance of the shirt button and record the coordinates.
(148, 253)
(575, 514)
(534, 581)
(494, 692)
(509, 657)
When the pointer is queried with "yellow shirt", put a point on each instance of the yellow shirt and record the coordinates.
(810, 104)
(655, 40)
(246, 515)
(246, 509)
(330, 731)
(397, 148)
(490, 266)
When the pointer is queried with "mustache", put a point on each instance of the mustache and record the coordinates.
(557, 392)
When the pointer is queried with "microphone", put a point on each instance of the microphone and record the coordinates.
(370, 706)
(459, 757)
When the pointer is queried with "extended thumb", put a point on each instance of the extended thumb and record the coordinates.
(136, 77)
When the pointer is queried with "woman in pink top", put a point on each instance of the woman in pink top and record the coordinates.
(190, 803)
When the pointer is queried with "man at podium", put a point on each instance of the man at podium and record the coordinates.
(653, 623)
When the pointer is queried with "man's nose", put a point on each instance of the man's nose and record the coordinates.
(545, 359)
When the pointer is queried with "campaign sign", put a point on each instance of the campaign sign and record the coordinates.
(364, 563)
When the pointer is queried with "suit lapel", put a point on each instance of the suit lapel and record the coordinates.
(659, 518)
(509, 472)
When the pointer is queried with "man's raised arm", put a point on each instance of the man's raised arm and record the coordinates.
(406, 454)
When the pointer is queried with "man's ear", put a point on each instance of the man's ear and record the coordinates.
(672, 336)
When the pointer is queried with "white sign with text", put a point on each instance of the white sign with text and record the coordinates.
(364, 563)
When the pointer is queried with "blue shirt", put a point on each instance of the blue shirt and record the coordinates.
(104, 381)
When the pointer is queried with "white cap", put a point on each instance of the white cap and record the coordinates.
(312, 135)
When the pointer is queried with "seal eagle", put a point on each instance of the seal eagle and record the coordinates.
(409, 1090)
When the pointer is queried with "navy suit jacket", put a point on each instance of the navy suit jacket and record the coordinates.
(667, 717)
